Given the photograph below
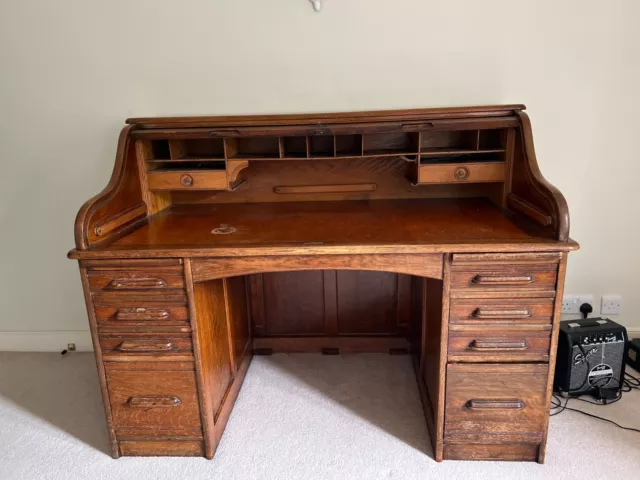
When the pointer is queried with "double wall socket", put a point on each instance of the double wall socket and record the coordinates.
(571, 303)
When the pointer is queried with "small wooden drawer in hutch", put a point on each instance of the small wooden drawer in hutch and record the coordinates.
(191, 180)
(463, 172)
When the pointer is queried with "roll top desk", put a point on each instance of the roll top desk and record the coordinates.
(426, 232)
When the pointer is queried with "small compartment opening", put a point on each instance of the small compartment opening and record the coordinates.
(390, 143)
(348, 145)
(491, 139)
(160, 150)
(255, 147)
(321, 146)
(295, 147)
(461, 140)
(199, 148)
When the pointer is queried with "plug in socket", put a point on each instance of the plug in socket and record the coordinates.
(571, 303)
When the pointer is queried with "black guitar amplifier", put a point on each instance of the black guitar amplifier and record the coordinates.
(591, 356)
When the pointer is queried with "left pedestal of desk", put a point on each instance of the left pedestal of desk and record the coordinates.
(141, 314)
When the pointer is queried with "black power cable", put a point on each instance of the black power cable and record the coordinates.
(629, 383)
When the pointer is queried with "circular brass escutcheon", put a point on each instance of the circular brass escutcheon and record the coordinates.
(186, 180)
(461, 173)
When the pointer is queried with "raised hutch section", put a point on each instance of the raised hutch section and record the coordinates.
(425, 232)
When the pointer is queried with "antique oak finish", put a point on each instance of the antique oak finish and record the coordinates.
(429, 232)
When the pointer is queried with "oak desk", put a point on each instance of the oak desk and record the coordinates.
(426, 232)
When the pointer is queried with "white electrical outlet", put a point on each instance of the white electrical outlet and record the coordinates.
(571, 303)
(611, 304)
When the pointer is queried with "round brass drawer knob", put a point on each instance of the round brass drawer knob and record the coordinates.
(186, 180)
(461, 173)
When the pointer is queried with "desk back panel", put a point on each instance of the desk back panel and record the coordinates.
(330, 302)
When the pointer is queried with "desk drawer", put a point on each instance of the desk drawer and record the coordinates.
(125, 280)
(505, 278)
(146, 347)
(158, 396)
(188, 180)
(463, 172)
(499, 345)
(501, 311)
(495, 404)
(141, 315)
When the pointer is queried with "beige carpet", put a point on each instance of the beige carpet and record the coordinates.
(297, 417)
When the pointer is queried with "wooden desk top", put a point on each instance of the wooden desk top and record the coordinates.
(381, 226)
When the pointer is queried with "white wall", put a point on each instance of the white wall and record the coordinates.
(71, 71)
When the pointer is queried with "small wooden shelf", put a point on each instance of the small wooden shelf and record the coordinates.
(442, 152)
(193, 164)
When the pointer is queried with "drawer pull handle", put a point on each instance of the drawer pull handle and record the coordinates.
(123, 283)
(487, 404)
(153, 402)
(141, 314)
(145, 346)
(498, 344)
(461, 173)
(502, 279)
(500, 313)
(186, 180)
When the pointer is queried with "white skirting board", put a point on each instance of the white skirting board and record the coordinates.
(45, 341)
(58, 340)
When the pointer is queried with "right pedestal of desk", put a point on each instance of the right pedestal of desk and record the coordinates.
(503, 314)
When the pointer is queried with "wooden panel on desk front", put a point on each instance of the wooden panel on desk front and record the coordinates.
(294, 303)
(367, 302)
(236, 293)
(330, 302)
(213, 339)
